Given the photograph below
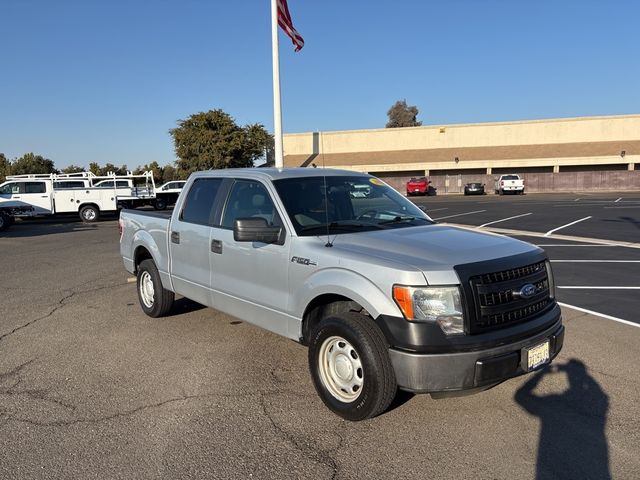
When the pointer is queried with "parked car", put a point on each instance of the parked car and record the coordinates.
(509, 183)
(418, 186)
(474, 189)
(360, 191)
(167, 194)
(383, 297)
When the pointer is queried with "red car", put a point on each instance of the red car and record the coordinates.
(418, 186)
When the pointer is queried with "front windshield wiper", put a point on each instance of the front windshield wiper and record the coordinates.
(341, 225)
(402, 219)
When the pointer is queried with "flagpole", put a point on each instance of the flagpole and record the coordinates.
(277, 107)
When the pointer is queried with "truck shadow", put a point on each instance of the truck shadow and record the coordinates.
(184, 305)
(573, 441)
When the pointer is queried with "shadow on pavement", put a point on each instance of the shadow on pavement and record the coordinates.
(40, 226)
(184, 305)
(573, 442)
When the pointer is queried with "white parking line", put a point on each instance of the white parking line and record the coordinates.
(437, 209)
(598, 314)
(567, 225)
(618, 200)
(503, 220)
(572, 287)
(568, 245)
(460, 214)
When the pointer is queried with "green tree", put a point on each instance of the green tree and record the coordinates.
(403, 115)
(32, 163)
(72, 169)
(212, 139)
(95, 168)
(168, 174)
(5, 167)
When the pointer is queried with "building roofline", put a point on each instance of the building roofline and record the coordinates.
(477, 124)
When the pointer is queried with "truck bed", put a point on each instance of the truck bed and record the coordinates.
(149, 228)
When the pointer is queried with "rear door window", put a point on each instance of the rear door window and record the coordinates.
(199, 205)
(35, 187)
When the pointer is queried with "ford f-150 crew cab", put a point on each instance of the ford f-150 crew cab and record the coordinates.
(384, 297)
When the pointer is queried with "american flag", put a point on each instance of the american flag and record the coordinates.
(284, 20)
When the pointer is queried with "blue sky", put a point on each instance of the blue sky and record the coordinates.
(104, 81)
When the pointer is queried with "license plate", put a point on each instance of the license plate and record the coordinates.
(537, 355)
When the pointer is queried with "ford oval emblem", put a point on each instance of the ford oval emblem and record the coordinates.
(527, 291)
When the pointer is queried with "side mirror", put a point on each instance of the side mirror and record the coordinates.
(255, 229)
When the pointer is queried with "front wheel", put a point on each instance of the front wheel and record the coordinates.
(350, 366)
(4, 222)
(155, 300)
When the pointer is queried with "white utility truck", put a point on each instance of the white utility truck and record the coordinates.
(82, 193)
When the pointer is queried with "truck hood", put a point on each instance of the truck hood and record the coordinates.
(433, 249)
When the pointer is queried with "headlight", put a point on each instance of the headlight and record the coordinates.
(552, 283)
(442, 305)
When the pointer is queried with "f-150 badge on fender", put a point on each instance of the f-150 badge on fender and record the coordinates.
(302, 261)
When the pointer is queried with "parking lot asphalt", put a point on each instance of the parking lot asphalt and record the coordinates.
(593, 240)
(92, 388)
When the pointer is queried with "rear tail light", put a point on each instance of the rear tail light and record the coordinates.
(120, 228)
(502, 183)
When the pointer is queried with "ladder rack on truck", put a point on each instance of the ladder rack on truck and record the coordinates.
(84, 193)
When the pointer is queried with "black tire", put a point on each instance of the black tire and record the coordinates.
(160, 204)
(364, 340)
(4, 222)
(500, 192)
(89, 213)
(162, 299)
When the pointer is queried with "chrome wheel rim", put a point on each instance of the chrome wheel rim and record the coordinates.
(89, 214)
(146, 289)
(340, 369)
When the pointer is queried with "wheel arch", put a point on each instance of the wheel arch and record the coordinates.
(337, 291)
(324, 305)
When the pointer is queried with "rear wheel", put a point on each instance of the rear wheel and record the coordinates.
(89, 213)
(160, 204)
(350, 366)
(155, 300)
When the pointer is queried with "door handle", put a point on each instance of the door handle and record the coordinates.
(175, 237)
(216, 246)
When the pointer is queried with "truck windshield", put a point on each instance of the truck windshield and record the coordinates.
(345, 204)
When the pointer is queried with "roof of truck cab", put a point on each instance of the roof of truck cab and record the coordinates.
(278, 173)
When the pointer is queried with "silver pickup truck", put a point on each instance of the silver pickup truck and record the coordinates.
(383, 296)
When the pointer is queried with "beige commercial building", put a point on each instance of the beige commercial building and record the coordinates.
(560, 154)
